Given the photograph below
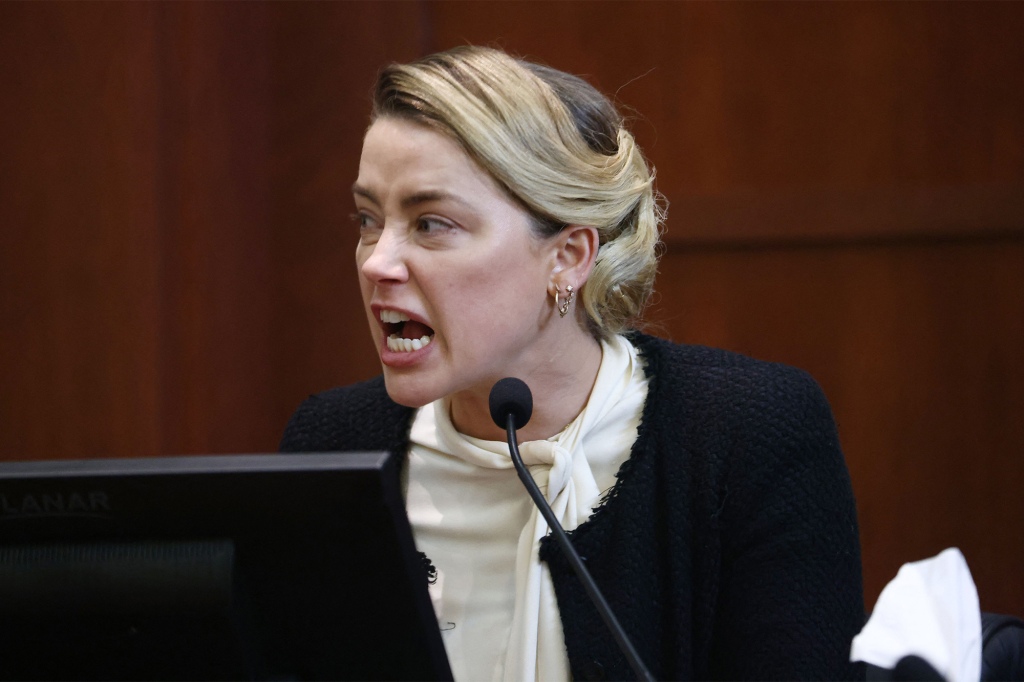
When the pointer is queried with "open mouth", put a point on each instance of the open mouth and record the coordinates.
(404, 334)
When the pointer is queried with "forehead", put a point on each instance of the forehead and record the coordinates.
(404, 155)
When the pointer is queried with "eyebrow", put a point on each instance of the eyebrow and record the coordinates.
(413, 199)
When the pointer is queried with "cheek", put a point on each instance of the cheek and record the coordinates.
(489, 305)
(464, 308)
(483, 289)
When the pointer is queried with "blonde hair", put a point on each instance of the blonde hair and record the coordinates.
(556, 145)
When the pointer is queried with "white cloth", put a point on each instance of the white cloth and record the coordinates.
(930, 609)
(470, 514)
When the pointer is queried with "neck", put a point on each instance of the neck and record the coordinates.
(561, 384)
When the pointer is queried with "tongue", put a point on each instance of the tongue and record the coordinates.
(415, 330)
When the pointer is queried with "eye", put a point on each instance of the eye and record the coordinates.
(432, 226)
(365, 221)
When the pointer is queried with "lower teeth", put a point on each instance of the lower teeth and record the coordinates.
(400, 345)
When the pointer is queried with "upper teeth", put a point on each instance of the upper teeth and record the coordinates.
(393, 317)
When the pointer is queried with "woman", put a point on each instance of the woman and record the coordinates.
(508, 227)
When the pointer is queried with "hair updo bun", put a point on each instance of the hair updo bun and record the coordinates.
(559, 147)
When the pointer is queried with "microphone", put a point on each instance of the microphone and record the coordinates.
(511, 397)
(511, 406)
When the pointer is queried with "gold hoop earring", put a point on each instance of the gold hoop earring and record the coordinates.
(563, 309)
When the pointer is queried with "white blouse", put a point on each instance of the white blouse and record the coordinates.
(472, 517)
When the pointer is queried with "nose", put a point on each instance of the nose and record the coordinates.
(384, 261)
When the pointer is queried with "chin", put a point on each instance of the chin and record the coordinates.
(407, 392)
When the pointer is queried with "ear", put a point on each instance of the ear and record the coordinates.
(575, 254)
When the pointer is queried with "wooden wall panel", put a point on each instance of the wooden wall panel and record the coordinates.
(176, 238)
(769, 120)
(79, 242)
(774, 95)
(918, 347)
(216, 278)
(326, 58)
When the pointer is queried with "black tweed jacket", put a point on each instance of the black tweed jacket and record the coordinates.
(728, 547)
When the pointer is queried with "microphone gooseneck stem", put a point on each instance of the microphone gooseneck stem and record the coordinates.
(575, 561)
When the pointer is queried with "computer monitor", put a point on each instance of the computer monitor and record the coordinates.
(276, 567)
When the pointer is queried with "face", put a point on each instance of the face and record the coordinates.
(454, 282)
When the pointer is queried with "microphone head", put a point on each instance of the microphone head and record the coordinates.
(511, 396)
